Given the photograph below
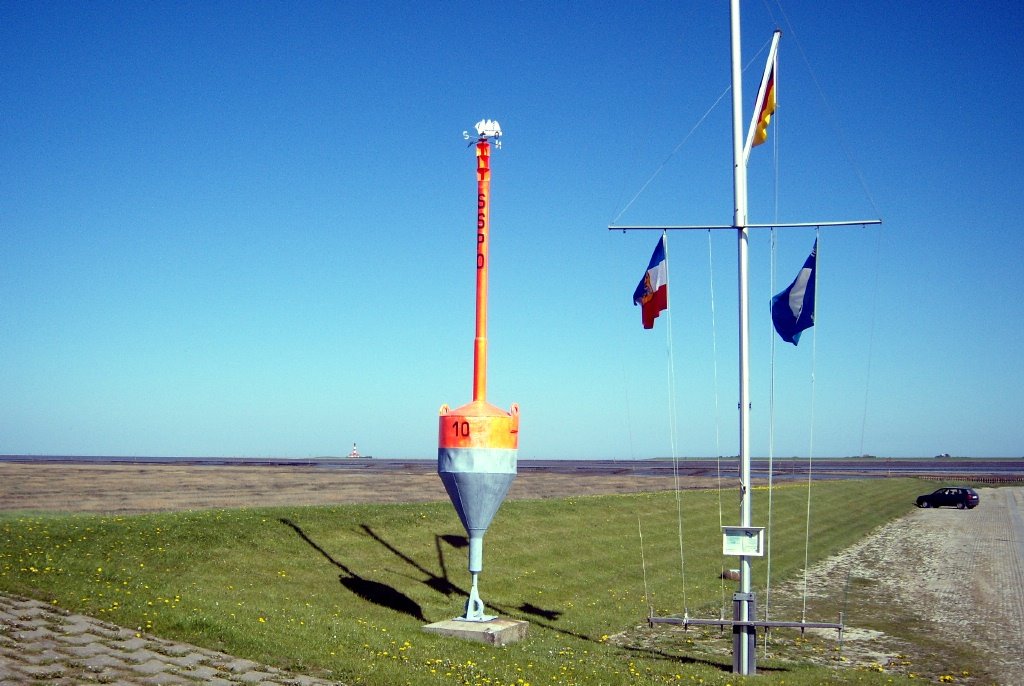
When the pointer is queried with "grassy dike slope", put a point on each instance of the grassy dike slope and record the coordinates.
(342, 592)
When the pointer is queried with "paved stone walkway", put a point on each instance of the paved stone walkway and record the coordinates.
(42, 644)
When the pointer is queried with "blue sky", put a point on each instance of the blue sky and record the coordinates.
(248, 228)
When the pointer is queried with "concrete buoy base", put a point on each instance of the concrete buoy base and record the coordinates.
(495, 632)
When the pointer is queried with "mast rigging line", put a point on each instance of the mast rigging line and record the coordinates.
(770, 528)
(673, 438)
(830, 111)
(718, 417)
(673, 422)
(810, 449)
(686, 138)
(771, 447)
(871, 341)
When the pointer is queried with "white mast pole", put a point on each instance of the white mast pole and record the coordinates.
(744, 620)
(743, 655)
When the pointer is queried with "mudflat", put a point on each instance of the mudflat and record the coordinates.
(135, 488)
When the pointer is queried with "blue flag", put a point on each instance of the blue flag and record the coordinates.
(793, 308)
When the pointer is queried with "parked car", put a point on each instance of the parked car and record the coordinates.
(959, 497)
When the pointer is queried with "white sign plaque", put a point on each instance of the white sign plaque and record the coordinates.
(743, 540)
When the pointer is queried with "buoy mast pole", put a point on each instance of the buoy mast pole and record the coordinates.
(483, 200)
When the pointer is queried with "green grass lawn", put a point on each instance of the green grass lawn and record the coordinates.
(343, 592)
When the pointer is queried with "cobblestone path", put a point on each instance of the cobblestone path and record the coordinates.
(41, 644)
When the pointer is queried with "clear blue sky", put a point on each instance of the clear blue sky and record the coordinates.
(248, 228)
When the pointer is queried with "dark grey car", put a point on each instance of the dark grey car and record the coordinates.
(960, 497)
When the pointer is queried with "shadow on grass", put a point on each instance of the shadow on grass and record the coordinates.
(388, 597)
(635, 643)
(536, 614)
(440, 583)
(369, 590)
(444, 585)
(550, 615)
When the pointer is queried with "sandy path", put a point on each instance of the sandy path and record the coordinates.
(974, 583)
(934, 586)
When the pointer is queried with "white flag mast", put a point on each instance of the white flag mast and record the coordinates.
(745, 541)
(744, 635)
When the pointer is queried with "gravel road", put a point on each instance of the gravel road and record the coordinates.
(936, 589)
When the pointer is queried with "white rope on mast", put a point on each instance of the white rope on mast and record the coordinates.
(673, 421)
(718, 437)
(871, 341)
(771, 452)
(681, 143)
(773, 273)
(833, 119)
(639, 523)
(670, 156)
(637, 483)
(643, 566)
(839, 135)
(810, 442)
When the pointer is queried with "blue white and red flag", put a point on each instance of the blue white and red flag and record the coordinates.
(652, 291)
